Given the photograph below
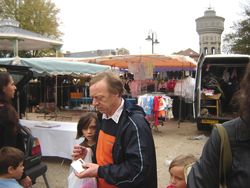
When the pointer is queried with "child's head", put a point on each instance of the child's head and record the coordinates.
(86, 126)
(11, 162)
(176, 169)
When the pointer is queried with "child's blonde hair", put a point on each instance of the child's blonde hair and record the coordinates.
(182, 160)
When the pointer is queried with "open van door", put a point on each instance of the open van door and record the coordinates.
(217, 80)
(197, 89)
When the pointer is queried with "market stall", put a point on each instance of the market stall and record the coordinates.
(47, 71)
(155, 73)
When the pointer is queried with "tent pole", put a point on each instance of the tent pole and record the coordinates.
(180, 99)
(56, 94)
(62, 91)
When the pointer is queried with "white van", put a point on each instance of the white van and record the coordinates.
(217, 80)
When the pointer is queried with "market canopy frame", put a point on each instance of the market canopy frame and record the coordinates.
(14, 38)
(54, 67)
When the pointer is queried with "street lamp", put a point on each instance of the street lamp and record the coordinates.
(152, 37)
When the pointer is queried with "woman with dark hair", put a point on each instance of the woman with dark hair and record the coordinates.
(205, 172)
(10, 132)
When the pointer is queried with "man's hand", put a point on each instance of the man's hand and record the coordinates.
(91, 170)
(79, 152)
(26, 182)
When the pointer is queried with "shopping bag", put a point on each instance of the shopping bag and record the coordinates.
(75, 182)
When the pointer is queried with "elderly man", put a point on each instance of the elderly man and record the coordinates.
(125, 151)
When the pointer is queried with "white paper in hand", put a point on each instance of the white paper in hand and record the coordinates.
(77, 165)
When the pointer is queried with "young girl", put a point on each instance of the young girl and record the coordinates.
(86, 128)
(177, 170)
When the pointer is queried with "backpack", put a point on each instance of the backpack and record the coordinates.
(32, 154)
(225, 155)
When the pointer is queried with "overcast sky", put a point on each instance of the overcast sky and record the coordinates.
(110, 24)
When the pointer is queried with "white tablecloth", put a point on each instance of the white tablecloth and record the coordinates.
(55, 141)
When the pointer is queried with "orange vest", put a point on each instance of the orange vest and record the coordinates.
(104, 155)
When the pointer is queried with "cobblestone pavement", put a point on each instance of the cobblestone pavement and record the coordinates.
(170, 141)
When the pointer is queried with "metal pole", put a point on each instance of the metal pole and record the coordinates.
(152, 43)
(56, 94)
(15, 47)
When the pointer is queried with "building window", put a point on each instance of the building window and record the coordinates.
(213, 50)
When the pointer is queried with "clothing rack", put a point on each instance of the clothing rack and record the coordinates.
(148, 104)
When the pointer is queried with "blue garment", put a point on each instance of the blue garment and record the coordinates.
(9, 183)
(147, 104)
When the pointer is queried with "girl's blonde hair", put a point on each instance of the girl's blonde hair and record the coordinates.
(182, 160)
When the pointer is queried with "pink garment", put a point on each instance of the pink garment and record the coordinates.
(138, 70)
(170, 186)
(170, 85)
(134, 88)
(89, 183)
(156, 110)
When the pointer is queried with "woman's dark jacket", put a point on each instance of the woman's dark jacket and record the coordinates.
(133, 152)
(205, 172)
(7, 136)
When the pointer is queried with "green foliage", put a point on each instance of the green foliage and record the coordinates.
(8, 9)
(239, 40)
(38, 16)
(122, 51)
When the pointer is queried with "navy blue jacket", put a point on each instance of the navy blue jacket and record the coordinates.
(133, 152)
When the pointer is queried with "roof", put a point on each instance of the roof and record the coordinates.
(27, 40)
(93, 53)
(188, 52)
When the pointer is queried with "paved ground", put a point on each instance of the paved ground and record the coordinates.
(170, 142)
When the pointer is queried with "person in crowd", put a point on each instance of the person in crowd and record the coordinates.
(205, 172)
(86, 128)
(11, 167)
(10, 132)
(178, 170)
(125, 152)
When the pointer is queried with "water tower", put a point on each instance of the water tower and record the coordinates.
(210, 27)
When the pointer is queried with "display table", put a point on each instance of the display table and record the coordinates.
(55, 141)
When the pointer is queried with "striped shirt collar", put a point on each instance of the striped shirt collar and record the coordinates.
(116, 116)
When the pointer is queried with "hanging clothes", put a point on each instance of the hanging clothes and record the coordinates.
(156, 106)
